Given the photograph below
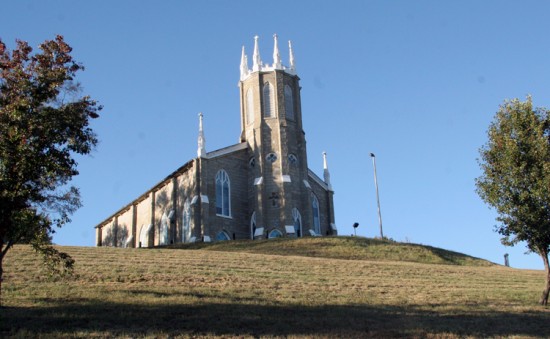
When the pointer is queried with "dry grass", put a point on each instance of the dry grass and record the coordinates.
(215, 293)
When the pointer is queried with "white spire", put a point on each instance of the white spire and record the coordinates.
(291, 57)
(257, 62)
(244, 65)
(277, 64)
(201, 152)
(326, 173)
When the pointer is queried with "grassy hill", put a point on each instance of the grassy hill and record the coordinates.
(348, 248)
(313, 288)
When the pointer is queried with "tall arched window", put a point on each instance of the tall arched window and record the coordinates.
(289, 102)
(249, 106)
(164, 227)
(252, 225)
(186, 225)
(223, 194)
(269, 105)
(316, 214)
(297, 222)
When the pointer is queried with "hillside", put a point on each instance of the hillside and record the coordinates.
(349, 248)
(214, 292)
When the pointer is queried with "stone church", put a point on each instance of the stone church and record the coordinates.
(256, 189)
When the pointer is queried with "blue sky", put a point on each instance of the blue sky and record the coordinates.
(415, 82)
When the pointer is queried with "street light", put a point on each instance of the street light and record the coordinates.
(377, 196)
(355, 225)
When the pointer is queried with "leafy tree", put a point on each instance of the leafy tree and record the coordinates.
(516, 177)
(44, 122)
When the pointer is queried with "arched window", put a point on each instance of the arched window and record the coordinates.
(186, 225)
(249, 106)
(297, 222)
(269, 105)
(316, 214)
(222, 236)
(164, 227)
(275, 234)
(289, 102)
(252, 225)
(223, 194)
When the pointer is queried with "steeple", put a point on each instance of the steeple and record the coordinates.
(244, 65)
(257, 65)
(201, 151)
(291, 57)
(277, 64)
(257, 62)
(326, 173)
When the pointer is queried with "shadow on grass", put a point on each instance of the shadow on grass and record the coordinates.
(82, 318)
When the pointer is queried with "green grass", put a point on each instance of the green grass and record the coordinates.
(349, 248)
(315, 288)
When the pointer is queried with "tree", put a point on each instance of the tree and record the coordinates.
(44, 123)
(516, 177)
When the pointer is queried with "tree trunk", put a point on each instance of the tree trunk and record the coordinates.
(2, 253)
(1, 277)
(544, 297)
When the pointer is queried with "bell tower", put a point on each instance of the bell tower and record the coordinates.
(271, 124)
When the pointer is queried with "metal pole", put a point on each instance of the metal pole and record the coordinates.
(377, 196)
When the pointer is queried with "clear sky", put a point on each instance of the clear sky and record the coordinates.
(415, 82)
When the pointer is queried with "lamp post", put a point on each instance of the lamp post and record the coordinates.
(355, 225)
(377, 196)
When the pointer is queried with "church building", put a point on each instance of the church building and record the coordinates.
(259, 188)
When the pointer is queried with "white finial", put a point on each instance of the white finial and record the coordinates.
(291, 57)
(326, 173)
(257, 62)
(244, 65)
(201, 152)
(277, 64)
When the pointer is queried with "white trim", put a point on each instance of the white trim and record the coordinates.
(207, 238)
(317, 179)
(285, 178)
(204, 199)
(194, 200)
(128, 241)
(258, 181)
(192, 239)
(333, 226)
(313, 233)
(274, 231)
(252, 224)
(290, 229)
(171, 214)
(306, 184)
(259, 232)
(226, 150)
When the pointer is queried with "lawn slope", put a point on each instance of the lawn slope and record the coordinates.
(349, 248)
(217, 293)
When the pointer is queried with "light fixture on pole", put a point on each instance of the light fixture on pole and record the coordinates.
(377, 196)
(355, 225)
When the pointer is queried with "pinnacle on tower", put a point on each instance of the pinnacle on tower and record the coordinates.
(257, 62)
(244, 65)
(201, 151)
(291, 57)
(277, 64)
(326, 173)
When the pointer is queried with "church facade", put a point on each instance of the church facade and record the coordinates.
(259, 188)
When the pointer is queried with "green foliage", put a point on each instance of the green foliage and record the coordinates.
(516, 175)
(44, 122)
